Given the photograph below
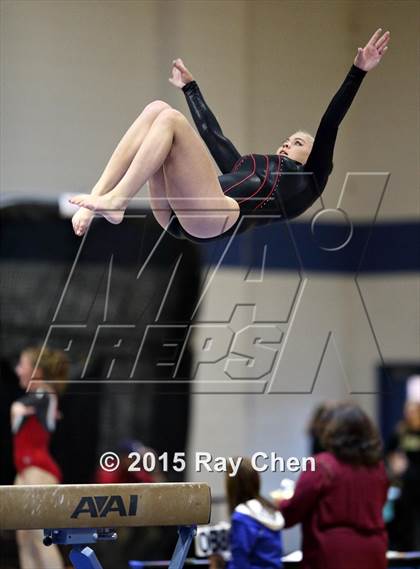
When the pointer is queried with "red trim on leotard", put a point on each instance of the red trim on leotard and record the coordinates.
(274, 184)
(246, 178)
(260, 186)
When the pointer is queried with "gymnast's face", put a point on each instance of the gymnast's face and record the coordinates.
(25, 371)
(297, 147)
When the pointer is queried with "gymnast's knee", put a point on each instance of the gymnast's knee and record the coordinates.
(157, 107)
(172, 115)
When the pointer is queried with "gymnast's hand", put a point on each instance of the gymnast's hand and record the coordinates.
(369, 56)
(180, 74)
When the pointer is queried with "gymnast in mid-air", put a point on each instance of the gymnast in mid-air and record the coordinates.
(187, 196)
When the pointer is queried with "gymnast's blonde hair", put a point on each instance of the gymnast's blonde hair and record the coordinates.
(53, 363)
(308, 134)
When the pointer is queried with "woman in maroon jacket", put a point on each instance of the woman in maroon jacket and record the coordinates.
(340, 503)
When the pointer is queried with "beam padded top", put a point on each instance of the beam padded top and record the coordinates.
(103, 505)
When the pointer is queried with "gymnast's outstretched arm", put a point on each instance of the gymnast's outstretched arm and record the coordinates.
(320, 160)
(220, 147)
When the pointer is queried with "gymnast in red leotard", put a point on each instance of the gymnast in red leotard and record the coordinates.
(33, 419)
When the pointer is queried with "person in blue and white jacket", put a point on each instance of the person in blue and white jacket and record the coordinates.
(255, 536)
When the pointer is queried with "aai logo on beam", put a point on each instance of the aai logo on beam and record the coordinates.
(101, 506)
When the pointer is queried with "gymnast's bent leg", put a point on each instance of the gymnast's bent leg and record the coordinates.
(158, 198)
(192, 187)
(120, 160)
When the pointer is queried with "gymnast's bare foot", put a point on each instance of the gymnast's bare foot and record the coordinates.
(81, 220)
(112, 208)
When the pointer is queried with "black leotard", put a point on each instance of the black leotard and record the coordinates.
(269, 184)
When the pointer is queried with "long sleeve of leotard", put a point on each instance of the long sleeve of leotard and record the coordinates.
(221, 148)
(320, 160)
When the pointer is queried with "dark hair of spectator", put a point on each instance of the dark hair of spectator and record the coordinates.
(317, 424)
(244, 486)
(351, 435)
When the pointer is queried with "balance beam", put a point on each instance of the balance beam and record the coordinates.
(103, 505)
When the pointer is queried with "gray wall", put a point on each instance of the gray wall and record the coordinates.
(75, 74)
